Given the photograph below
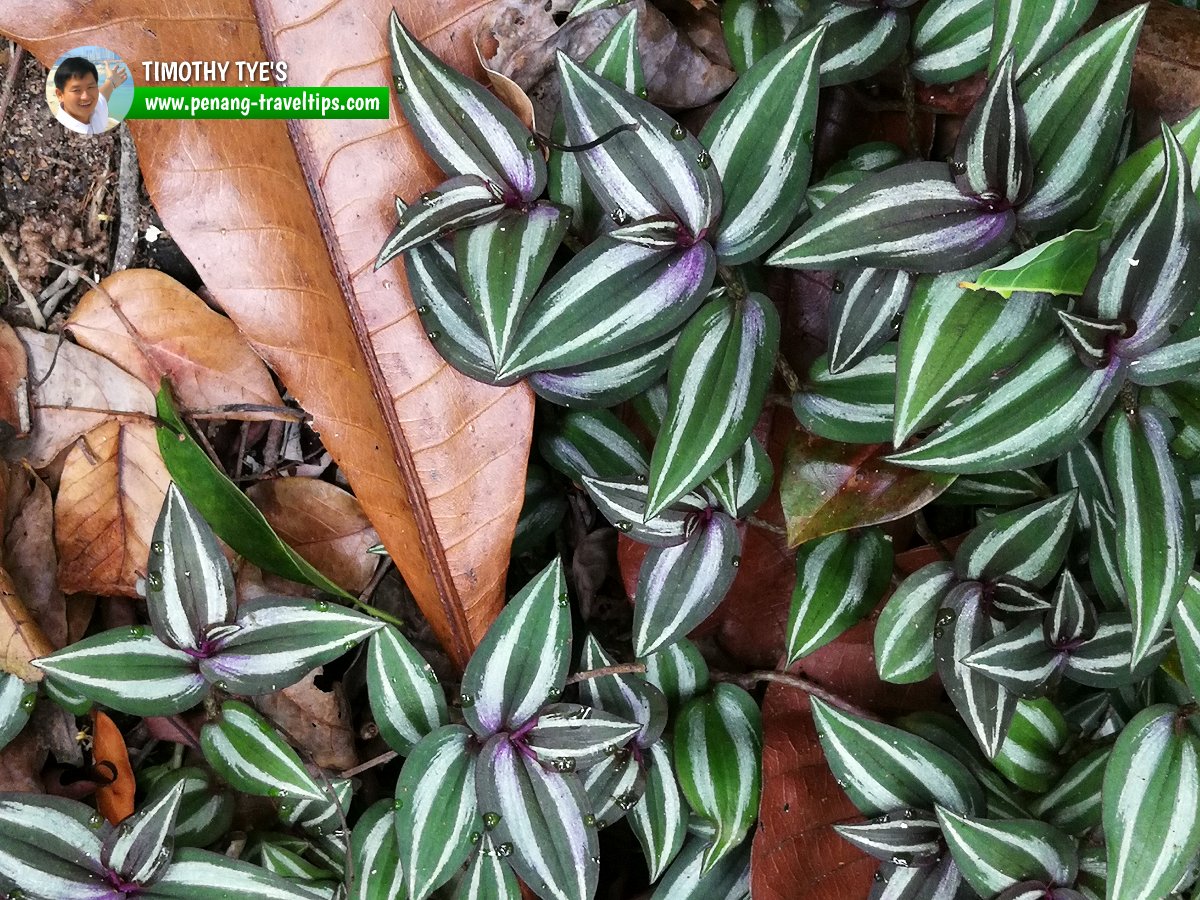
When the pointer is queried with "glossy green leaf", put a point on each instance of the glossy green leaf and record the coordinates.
(743, 481)
(247, 751)
(1073, 803)
(290, 864)
(1032, 31)
(903, 837)
(865, 314)
(140, 848)
(1061, 265)
(1027, 544)
(950, 39)
(904, 631)
(609, 380)
(200, 875)
(376, 854)
(1029, 756)
(614, 786)
(623, 501)
(678, 670)
(855, 405)
(753, 29)
(996, 854)
(205, 810)
(991, 157)
(595, 443)
(406, 699)
(1185, 621)
(659, 820)
(17, 700)
(50, 847)
(461, 202)
(567, 736)
(488, 876)
(686, 879)
(860, 41)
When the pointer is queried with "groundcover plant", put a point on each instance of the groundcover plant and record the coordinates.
(1012, 354)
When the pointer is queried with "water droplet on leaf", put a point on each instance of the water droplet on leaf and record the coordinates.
(154, 579)
(466, 701)
(703, 159)
(401, 87)
(157, 547)
(678, 132)
(491, 820)
(504, 850)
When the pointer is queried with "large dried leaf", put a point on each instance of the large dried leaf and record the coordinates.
(21, 639)
(29, 554)
(152, 326)
(112, 486)
(285, 238)
(14, 384)
(315, 720)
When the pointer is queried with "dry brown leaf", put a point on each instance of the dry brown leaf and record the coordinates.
(509, 92)
(322, 523)
(285, 237)
(112, 487)
(151, 325)
(315, 720)
(21, 761)
(29, 554)
(73, 391)
(21, 639)
(14, 385)
(114, 800)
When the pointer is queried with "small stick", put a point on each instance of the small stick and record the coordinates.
(250, 412)
(16, 57)
(619, 669)
(31, 303)
(127, 200)
(747, 680)
(371, 764)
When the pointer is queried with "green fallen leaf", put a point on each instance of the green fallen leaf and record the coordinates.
(1060, 266)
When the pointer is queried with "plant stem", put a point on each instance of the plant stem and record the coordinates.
(370, 764)
(790, 378)
(766, 526)
(733, 281)
(926, 534)
(747, 680)
(378, 613)
(618, 669)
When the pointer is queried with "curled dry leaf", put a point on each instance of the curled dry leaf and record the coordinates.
(114, 800)
(151, 325)
(112, 486)
(315, 720)
(29, 553)
(21, 638)
(286, 241)
(14, 385)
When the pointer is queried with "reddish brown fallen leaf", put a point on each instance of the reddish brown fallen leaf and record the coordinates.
(283, 219)
(29, 554)
(322, 523)
(314, 720)
(21, 638)
(114, 800)
(112, 487)
(151, 325)
(14, 384)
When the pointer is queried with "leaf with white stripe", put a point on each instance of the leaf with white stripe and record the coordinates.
(910, 217)
(50, 848)
(537, 820)
(1027, 544)
(594, 443)
(522, 660)
(883, 767)
(320, 817)
(406, 699)
(904, 631)
(991, 158)
(1044, 406)
(205, 810)
(995, 854)
(1175, 360)
(752, 30)
(659, 820)
(1019, 659)
(1073, 134)
(950, 39)
(623, 501)
(289, 864)
(1003, 489)
(839, 579)
(1029, 756)
(687, 879)
(376, 854)
(609, 380)
(1156, 535)
(866, 313)
(861, 40)
(138, 850)
(130, 670)
(541, 513)
(435, 809)
(678, 587)
(189, 581)
(742, 483)
(1186, 624)
(718, 745)
(1072, 616)
(464, 128)
(1031, 31)
(611, 297)
(568, 736)
(717, 384)
(941, 881)
(247, 751)
(614, 786)
(1102, 558)
(1073, 804)
(1104, 660)
(276, 641)
(678, 670)
(1082, 469)
(853, 406)
(459, 203)
(488, 876)
(756, 138)
(905, 837)
(201, 875)
(17, 700)
(631, 696)
(1152, 804)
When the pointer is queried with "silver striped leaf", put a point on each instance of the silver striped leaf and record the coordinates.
(678, 670)
(1151, 804)
(825, 191)
(1105, 659)
(246, 750)
(611, 297)
(376, 854)
(904, 631)
(1072, 616)
(607, 381)
(1174, 361)
(860, 41)
(718, 749)
(1029, 756)
(205, 811)
(995, 854)
(950, 39)
(435, 810)
(991, 158)
(1091, 338)
(522, 660)
(651, 406)
(189, 583)
(753, 29)
(320, 818)
(201, 875)
(854, 406)
(716, 385)
(903, 837)
(1002, 489)
(1031, 31)
(659, 819)
(537, 820)
(630, 696)
(942, 881)
(623, 501)
(17, 700)
(613, 787)
(129, 670)
(1081, 469)
(657, 233)
(276, 641)
(909, 217)
(488, 876)
(465, 129)
(742, 483)
(757, 139)
(1027, 545)
(1185, 622)
(655, 169)
(1093, 873)
(686, 879)
(50, 847)
(290, 864)
(593, 443)
(866, 313)
(839, 579)
(1102, 559)
(140, 848)
(70, 700)
(459, 203)
(1156, 535)
(1019, 659)
(1012, 600)
(1073, 803)
(583, 7)
(406, 700)
(679, 586)
(1073, 134)
(567, 737)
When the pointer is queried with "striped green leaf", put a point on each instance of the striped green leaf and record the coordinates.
(290, 864)
(537, 820)
(200, 875)
(1073, 804)
(1082, 469)
(904, 837)
(963, 625)
(756, 138)
(659, 820)
(1043, 408)
(1091, 339)
(686, 879)
(1011, 600)
(435, 809)
(623, 501)
(657, 233)
(406, 699)
(941, 880)
(678, 587)
(376, 854)
(821, 194)
(138, 850)
(320, 817)
(866, 313)
(488, 876)
(1073, 134)
(1002, 489)
(17, 700)
(991, 157)
(190, 585)
(678, 670)
(249, 753)
(995, 854)
(904, 631)
(910, 217)
(130, 670)
(461, 202)
(839, 579)
(718, 745)
(717, 383)
(950, 39)
(1027, 544)
(1104, 660)
(854, 406)
(567, 736)
(655, 169)
(1102, 558)
(465, 129)
(753, 29)
(631, 697)
(860, 41)
(1175, 360)
(502, 262)
(872, 156)
(882, 768)
(50, 848)
(743, 481)
(594, 443)
(205, 810)
(611, 297)
(1156, 535)
(1019, 659)
(522, 660)
(651, 406)
(1072, 615)
(1061, 265)
(609, 380)
(1151, 804)
(1186, 624)
(952, 341)
(1031, 31)
(1029, 756)
(614, 786)
(69, 699)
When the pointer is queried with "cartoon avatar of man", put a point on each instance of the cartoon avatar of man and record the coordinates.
(82, 100)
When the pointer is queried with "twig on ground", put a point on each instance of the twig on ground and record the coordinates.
(747, 680)
(127, 200)
(379, 760)
(619, 669)
(250, 412)
(766, 526)
(16, 56)
(31, 303)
